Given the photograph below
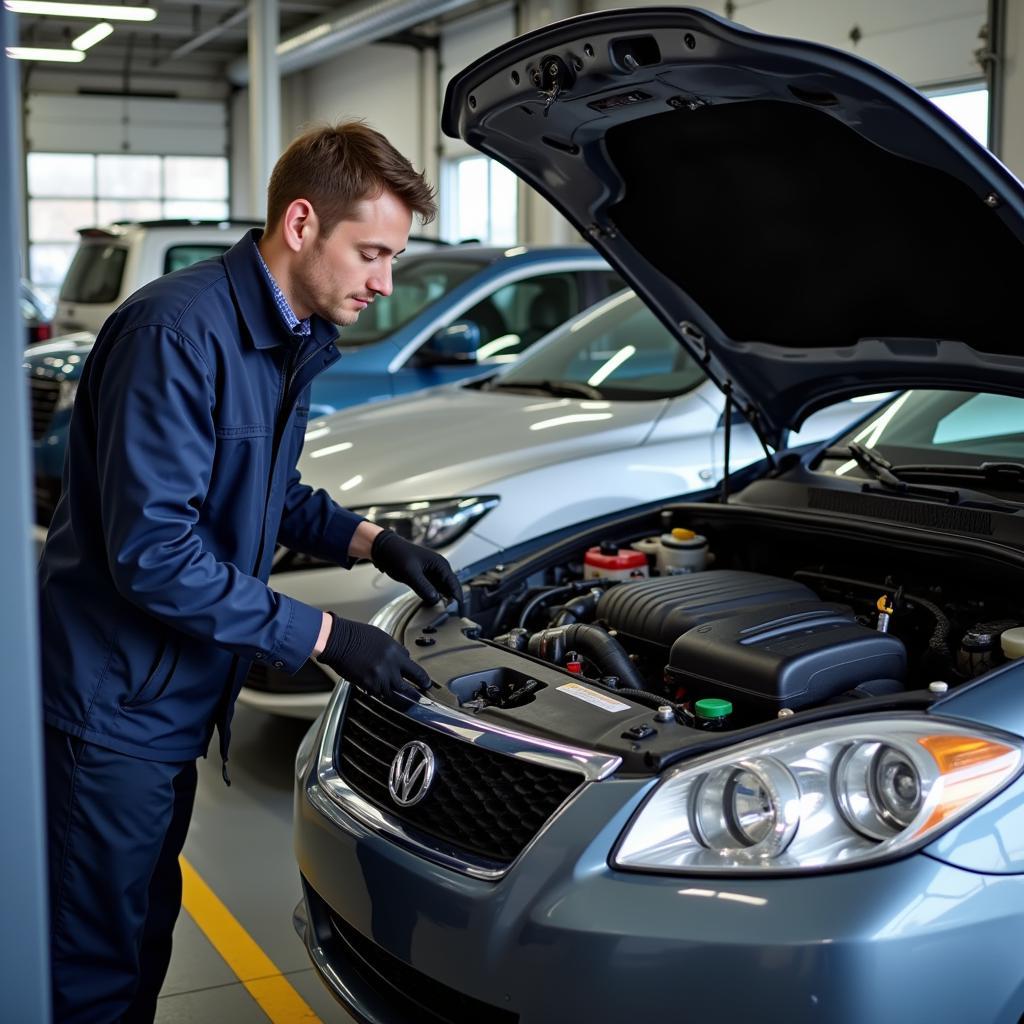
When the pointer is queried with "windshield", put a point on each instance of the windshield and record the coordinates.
(618, 349)
(417, 283)
(939, 428)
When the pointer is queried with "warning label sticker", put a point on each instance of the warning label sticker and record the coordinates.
(599, 700)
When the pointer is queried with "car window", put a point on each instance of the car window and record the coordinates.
(520, 313)
(618, 348)
(608, 283)
(95, 274)
(178, 257)
(947, 427)
(417, 283)
(980, 418)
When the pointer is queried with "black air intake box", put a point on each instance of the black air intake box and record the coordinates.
(790, 655)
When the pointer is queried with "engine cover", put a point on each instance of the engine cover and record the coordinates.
(759, 641)
(660, 610)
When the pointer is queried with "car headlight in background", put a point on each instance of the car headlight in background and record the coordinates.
(431, 523)
(820, 796)
(66, 395)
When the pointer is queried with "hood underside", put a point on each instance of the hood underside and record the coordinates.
(810, 227)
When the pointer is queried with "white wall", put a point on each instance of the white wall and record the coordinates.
(924, 42)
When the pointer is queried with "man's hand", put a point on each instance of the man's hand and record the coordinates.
(368, 657)
(425, 571)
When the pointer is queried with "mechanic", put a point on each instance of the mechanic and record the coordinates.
(180, 480)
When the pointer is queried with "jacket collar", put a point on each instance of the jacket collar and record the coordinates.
(255, 298)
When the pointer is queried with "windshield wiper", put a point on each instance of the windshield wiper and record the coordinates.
(568, 388)
(895, 478)
(876, 466)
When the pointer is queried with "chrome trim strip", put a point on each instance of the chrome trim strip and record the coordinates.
(583, 264)
(330, 793)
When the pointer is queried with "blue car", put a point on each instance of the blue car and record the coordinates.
(757, 753)
(455, 311)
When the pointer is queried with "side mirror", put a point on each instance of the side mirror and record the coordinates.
(456, 343)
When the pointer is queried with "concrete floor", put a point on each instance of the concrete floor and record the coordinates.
(240, 843)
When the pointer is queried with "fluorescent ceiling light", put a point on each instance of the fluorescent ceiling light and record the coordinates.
(35, 53)
(106, 12)
(92, 36)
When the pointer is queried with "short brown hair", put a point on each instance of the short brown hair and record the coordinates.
(337, 166)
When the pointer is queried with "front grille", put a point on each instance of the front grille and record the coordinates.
(309, 679)
(480, 801)
(44, 400)
(412, 995)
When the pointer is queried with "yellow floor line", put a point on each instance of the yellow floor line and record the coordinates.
(255, 970)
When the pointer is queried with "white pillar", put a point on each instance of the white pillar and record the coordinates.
(264, 100)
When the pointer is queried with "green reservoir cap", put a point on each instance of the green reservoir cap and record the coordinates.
(713, 707)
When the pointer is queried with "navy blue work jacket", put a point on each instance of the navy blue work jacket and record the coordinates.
(180, 477)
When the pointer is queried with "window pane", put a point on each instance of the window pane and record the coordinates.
(969, 109)
(504, 191)
(58, 220)
(109, 210)
(48, 264)
(195, 209)
(128, 177)
(195, 177)
(61, 174)
(471, 197)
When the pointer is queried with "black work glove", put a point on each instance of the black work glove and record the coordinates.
(425, 571)
(368, 657)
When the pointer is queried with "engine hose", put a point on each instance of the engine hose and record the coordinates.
(567, 588)
(938, 643)
(578, 608)
(646, 697)
(603, 650)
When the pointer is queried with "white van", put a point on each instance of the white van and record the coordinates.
(114, 261)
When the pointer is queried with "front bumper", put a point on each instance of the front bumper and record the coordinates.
(400, 938)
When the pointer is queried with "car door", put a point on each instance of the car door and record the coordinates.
(509, 319)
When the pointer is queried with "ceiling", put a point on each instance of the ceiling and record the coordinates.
(187, 40)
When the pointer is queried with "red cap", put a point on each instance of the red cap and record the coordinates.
(626, 558)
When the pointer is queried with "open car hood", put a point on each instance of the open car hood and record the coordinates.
(810, 227)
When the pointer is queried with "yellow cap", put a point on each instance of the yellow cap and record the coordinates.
(882, 604)
(682, 534)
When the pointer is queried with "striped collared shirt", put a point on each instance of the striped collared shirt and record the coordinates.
(291, 321)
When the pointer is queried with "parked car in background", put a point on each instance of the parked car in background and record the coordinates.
(785, 785)
(37, 312)
(115, 260)
(454, 311)
(606, 413)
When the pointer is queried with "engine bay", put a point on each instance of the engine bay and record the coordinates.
(722, 618)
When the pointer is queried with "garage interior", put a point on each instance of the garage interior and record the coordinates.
(209, 94)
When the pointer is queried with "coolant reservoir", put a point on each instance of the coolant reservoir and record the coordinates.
(610, 562)
(1012, 642)
(682, 551)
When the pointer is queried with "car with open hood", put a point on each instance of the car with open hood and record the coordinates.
(778, 776)
(606, 413)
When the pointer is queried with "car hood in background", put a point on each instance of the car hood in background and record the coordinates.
(62, 358)
(809, 226)
(452, 441)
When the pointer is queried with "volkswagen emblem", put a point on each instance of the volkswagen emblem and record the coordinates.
(412, 772)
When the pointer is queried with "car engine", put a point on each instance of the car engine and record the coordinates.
(722, 633)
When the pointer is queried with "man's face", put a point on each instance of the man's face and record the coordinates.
(341, 274)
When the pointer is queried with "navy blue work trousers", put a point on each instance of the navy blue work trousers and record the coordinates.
(116, 826)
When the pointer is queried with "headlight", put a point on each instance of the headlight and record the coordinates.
(431, 523)
(824, 795)
(66, 395)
